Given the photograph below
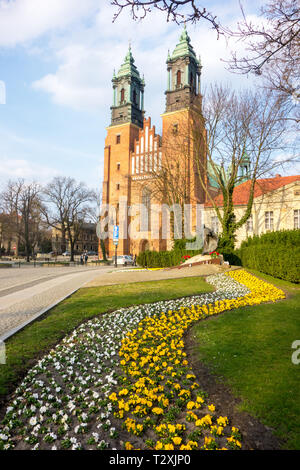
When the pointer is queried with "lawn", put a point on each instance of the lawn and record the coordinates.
(250, 348)
(30, 344)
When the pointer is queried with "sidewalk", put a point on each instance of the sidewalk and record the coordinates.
(143, 276)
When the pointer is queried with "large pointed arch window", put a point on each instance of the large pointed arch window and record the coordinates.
(145, 214)
(178, 78)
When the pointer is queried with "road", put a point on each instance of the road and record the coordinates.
(27, 292)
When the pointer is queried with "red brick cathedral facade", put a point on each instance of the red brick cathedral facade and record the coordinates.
(135, 157)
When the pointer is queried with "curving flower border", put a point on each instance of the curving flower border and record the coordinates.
(123, 380)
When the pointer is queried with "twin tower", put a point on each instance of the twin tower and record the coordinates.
(134, 153)
(184, 71)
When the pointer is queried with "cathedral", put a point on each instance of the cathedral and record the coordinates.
(142, 167)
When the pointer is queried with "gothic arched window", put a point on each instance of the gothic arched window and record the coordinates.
(178, 78)
(145, 222)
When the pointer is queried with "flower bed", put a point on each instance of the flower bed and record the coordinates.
(123, 380)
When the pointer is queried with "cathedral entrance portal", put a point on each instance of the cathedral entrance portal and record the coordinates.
(144, 245)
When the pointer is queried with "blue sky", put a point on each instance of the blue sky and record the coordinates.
(57, 59)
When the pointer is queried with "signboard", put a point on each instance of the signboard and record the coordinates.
(116, 235)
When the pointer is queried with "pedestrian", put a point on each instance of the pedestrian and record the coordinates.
(86, 258)
(81, 258)
(134, 260)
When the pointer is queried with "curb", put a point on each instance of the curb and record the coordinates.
(15, 330)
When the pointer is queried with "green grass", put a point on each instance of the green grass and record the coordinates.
(27, 346)
(250, 350)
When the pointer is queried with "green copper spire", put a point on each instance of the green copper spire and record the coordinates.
(184, 47)
(128, 93)
(128, 68)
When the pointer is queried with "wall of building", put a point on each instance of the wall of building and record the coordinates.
(282, 203)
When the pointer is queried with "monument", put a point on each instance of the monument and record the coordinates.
(210, 241)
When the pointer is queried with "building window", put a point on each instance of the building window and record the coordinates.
(118, 186)
(215, 224)
(191, 79)
(175, 129)
(145, 216)
(122, 96)
(134, 97)
(249, 224)
(118, 166)
(178, 78)
(297, 218)
(269, 221)
(118, 139)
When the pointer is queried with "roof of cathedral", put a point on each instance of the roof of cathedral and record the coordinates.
(262, 186)
(128, 68)
(184, 48)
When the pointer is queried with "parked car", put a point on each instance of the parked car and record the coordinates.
(66, 253)
(125, 260)
(92, 253)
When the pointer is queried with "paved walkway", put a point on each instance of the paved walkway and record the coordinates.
(26, 293)
(143, 276)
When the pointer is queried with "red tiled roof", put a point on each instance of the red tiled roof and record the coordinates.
(262, 186)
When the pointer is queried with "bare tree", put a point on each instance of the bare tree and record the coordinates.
(235, 139)
(22, 204)
(10, 202)
(172, 179)
(95, 216)
(30, 216)
(273, 47)
(7, 231)
(67, 204)
(179, 11)
(54, 209)
(244, 131)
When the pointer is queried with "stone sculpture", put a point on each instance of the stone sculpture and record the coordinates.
(210, 241)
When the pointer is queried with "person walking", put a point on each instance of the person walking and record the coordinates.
(86, 258)
(134, 260)
(81, 258)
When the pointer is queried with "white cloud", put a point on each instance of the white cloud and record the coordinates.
(21, 168)
(87, 59)
(25, 20)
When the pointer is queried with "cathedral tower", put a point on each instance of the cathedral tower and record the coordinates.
(183, 124)
(184, 71)
(128, 97)
(127, 117)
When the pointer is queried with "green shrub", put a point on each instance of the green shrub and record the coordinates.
(274, 253)
(164, 259)
(280, 237)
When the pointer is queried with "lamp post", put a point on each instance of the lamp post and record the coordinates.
(116, 242)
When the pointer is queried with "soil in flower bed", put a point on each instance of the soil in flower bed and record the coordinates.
(256, 436)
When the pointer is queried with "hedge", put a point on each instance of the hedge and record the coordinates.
(280, 237)
(164, 259)
(274, 253)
